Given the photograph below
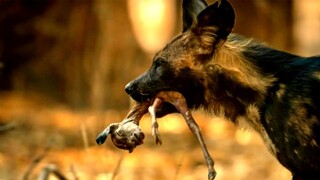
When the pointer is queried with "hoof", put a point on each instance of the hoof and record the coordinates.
(212, 175)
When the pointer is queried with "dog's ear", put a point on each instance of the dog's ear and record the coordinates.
(215, 22)
(191, 9)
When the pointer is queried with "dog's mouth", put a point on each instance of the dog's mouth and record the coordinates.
(142, 97)
(164, 109)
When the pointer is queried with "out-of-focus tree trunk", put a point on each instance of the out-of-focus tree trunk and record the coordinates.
(82, 33)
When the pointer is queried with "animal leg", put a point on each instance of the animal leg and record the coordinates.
(180, 104)
(152, 110)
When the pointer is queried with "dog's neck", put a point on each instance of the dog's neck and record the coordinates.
(237, 57)
(247, 70)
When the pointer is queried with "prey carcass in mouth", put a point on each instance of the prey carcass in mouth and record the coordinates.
(127, 134)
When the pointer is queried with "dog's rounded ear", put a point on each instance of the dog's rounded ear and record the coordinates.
(101, 138)
(216, 21)
(191, 9)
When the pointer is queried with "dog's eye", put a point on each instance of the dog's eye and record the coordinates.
(158, 63)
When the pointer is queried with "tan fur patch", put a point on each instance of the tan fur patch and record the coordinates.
(300, 121)
(317, 74)
(281, 91)
(229, 56)
(252, 120)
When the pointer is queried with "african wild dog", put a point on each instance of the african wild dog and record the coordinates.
(274, 92)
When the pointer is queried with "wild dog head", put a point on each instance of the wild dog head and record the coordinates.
(181, 65)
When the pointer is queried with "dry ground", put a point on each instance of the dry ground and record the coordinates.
(35, 123)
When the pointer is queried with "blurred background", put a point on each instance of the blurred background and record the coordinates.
(63, 68)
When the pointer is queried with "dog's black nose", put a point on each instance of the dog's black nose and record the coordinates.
(128, 88)
(132, 90)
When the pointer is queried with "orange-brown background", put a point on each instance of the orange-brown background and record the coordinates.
(63, 68)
